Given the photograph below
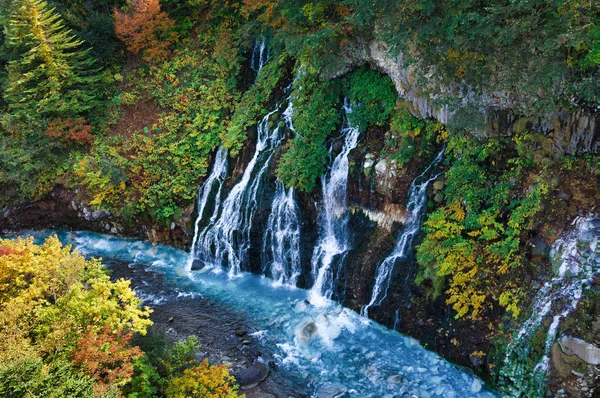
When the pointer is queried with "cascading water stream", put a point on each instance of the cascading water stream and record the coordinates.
(226, 240)
(416, 207)
(260, 55)
(281, 248)
(216, 177)
(332, 246)
(559, 296)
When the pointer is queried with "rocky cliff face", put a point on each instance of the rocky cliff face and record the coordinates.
(491, 113)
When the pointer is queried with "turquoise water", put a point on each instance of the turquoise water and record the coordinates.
(324, 346)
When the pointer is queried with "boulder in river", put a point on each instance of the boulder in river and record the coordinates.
(332, 390)
(306, 330)
(252, 375)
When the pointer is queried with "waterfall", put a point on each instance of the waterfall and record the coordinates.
(226, 240)
(281, 248)
(218, 175)
(260, 55)
(574, 254)
(416, 207)
(332, 245)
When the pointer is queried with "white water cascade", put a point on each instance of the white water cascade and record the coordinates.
(281, 248)
(260, 55)
(226, 240)
(332, 245)
(416, 207)
(216, 178)
(574, 255)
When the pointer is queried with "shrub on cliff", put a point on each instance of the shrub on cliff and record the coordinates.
(474, 241)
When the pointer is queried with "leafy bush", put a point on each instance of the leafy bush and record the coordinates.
(316, 116)
(30, 378)
(374, 95)
(474, 240)
(48, 296)
(146, 29)
(203, 381)
(410, 136)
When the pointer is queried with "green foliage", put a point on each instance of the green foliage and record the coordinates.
(486, 46)
(170, 369)
(316, 116)
(49, 296)
(410, 136)
(51, 77)
(474, 240)
(253, 104)
(29, 378)
(375, 97)
(155, 172)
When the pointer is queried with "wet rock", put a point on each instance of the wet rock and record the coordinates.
(539, 247)
(369, 162)
(394, 379)
(587, 352)
(301, 306)
(477, 360)
(197, 265)
(240, 332)
(381, 167)
(330, 391)
(576, 373)
(252, 375)
(476, 386)
(99, 215)
(337, 146)
(306, 330)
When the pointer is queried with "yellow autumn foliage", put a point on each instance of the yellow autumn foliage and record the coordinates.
(49, 295)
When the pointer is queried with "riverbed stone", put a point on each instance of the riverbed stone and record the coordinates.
(476, 386)
(395, 379)
(252, 375)
(306, 330)
(100, 214)
(587, 352)
(333, 390)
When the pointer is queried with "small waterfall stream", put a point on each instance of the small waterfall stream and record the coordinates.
(217, 175)
(574, 256)
(281, 248)
(416, 208)
(260, 55)
(332, 246)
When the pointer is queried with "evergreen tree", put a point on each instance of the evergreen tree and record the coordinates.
(52, 77)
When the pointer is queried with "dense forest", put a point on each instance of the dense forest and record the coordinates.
(126, 103)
